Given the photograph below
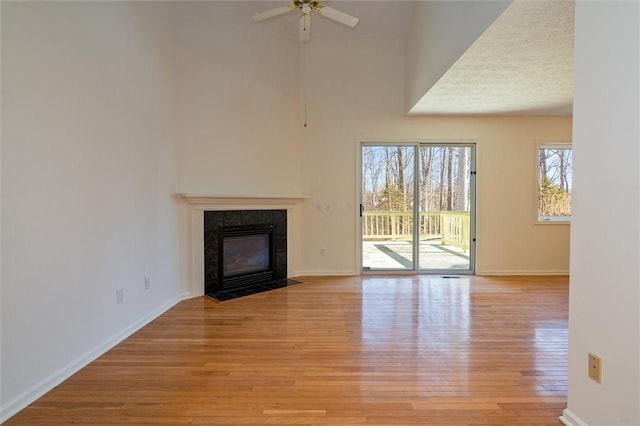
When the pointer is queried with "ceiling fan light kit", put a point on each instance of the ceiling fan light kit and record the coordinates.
(307, 7)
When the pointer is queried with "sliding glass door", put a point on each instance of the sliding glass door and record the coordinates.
(388, 176)
(417, 207)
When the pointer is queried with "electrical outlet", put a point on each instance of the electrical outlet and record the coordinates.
(147, 282)
(119, 296)
(595, 368)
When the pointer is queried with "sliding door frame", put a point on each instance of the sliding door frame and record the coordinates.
(360, 144)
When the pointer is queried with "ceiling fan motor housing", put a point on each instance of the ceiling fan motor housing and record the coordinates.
(308, 6)
(313, 4)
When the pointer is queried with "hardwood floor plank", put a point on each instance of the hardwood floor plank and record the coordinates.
(371, 350)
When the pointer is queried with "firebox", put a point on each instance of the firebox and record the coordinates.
(246, 255)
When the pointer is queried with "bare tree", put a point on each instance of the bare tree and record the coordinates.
(400, 157)
(441, 182)
(562, 157)
(542, 164)
(372, 169)
(554, 173)
(426, 164)
(462, 180)
(443, 178)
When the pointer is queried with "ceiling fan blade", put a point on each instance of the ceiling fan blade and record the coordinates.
(336, 15)
(272, 13)
(305, 27)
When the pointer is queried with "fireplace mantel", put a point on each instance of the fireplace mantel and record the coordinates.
(210, 199)
(204, 202)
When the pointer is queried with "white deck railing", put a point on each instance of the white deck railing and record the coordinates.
(453, 228)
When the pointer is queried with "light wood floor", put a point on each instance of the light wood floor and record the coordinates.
(411, 350)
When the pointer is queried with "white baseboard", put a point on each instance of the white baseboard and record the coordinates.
(324, 274)
(522, 273)
(570, 419)
(23, 400)
(480, 273)
(184, 296)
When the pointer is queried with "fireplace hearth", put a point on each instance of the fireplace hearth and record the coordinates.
(244, 248)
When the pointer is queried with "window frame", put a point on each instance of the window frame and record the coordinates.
(549, 220)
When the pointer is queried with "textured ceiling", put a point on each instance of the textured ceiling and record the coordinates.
(521, 65)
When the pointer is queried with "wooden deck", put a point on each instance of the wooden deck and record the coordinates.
(396, 350)
(397, 255)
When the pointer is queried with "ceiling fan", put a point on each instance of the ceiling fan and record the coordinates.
(308, 6)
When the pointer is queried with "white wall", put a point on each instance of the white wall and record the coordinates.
(240, 113)
(237, 106)
(1, 275)
(237, 101)
(604, 297)
(110, 108)
(355, 95)
(87, 180)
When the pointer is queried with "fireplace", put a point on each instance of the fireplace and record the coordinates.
(243, 248)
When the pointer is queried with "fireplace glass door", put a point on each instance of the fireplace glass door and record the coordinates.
(245, 254)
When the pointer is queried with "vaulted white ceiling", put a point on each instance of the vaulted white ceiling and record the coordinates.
(521, 65)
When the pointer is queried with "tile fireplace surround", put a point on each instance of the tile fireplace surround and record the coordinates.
(271, 224)
(201, 203)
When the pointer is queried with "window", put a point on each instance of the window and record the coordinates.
(554, 182)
